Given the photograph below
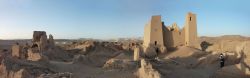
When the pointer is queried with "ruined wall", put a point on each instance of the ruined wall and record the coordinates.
(136, 54)
(183, 34)
(168, 37)
(43, 43)
(37, 35)
(51, 41)
(177, 37)
(34, 54)
(40, 45)
(190, 30)
(40, 40)
(17, 51)
(147, 34)
(173, 36)
(147, 71)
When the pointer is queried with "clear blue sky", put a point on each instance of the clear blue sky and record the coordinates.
(104, 19)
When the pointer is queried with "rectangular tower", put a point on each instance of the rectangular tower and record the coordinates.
(153, 34)
(190, 30)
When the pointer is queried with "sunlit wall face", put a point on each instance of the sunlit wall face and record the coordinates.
(104, 19)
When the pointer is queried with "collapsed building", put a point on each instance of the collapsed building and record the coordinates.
(40, 44)
(40, 40)
(159, 37)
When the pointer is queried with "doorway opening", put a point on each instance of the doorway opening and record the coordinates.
(155, 42)
(157, 50)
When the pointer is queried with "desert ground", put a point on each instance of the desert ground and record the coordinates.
(115, 59)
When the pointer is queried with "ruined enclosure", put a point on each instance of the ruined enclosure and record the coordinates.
(159, 35)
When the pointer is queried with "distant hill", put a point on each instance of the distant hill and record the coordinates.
(225, 37)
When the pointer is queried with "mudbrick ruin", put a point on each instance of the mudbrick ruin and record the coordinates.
(164, 52)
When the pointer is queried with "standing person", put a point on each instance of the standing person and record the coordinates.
(222, 60)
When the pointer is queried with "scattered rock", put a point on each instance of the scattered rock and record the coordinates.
(147, 71)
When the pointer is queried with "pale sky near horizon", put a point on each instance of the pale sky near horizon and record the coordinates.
(104, 19)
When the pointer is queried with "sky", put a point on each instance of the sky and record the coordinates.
(107, 19)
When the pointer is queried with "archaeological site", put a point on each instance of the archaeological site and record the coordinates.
(165, 51)
(124, 39)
